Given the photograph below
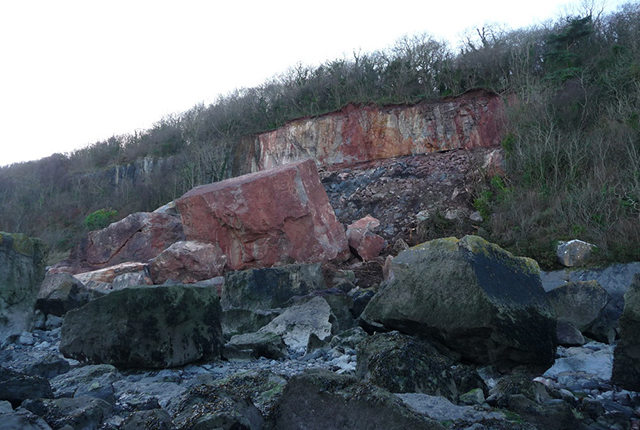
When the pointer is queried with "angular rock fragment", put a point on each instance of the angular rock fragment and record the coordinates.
(474, 297)
(278, 215)
(188, 262)
(363, 240)
(61, 292)
(154, 327)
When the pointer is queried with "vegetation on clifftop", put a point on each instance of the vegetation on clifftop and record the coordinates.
(572, 151)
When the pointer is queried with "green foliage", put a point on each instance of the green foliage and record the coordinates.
(100, 219)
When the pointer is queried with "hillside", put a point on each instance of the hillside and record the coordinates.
(571, 136)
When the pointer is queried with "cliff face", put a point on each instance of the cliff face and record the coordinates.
(364, 133)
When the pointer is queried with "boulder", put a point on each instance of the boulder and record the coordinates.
(210, 407)
(34, 362)
(318, 400)
(298, 322)
(239, 321)
(579, 303)
(22, 267)
(139, 237)
(16, 387)
(474, 297)
(574, 252)
(154, 327)
(626, 356)
(61, 292)
(92, 381)
(108, 274)
(255, 345)
(268, 288)
(366, 244)
(278, 215)
(156, 419)
(188, 262)
(85, 413)
(21, 419)
(405, 364)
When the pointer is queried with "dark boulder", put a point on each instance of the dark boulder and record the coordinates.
(154, 327)
(474, 297)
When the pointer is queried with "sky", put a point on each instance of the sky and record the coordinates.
(76, 72)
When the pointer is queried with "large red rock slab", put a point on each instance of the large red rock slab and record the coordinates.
(277, 215)
(137, 238)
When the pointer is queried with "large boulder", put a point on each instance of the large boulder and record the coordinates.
(319, 399)
(137, 238)
(626, 356)
(278, 215)
(271, 287)
(473, 296)
(153, 327)
(22, 267)
(188, 262)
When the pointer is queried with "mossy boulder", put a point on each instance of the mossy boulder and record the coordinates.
(152, 327)
(472, 296)
(22, 267)
(407, 364)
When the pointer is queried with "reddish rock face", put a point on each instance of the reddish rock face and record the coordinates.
(188, 262)
(363, 240)
(364, 133)
(278, 215)
(137, 238)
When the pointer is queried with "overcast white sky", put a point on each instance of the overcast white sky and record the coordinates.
(75, 72)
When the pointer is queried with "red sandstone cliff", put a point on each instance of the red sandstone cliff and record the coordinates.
(363, 133)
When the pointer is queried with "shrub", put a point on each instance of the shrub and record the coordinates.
(100, 219)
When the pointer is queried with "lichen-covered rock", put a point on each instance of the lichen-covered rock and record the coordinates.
(188, 262)
(319, 400)
(271, 287)
(278, 215)
(626, 356)
(157, 327)
(405, 364)
(574, 252)
(476, 298)
(22, 267)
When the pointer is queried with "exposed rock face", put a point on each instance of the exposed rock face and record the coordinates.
(364, 133)
(626, 358)
(146, 327)
(279, 215)
(271, 287)
(108, 274)
(22, 265)
(137, 238)
(478, 299)
(188, 262)
(363, 240)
